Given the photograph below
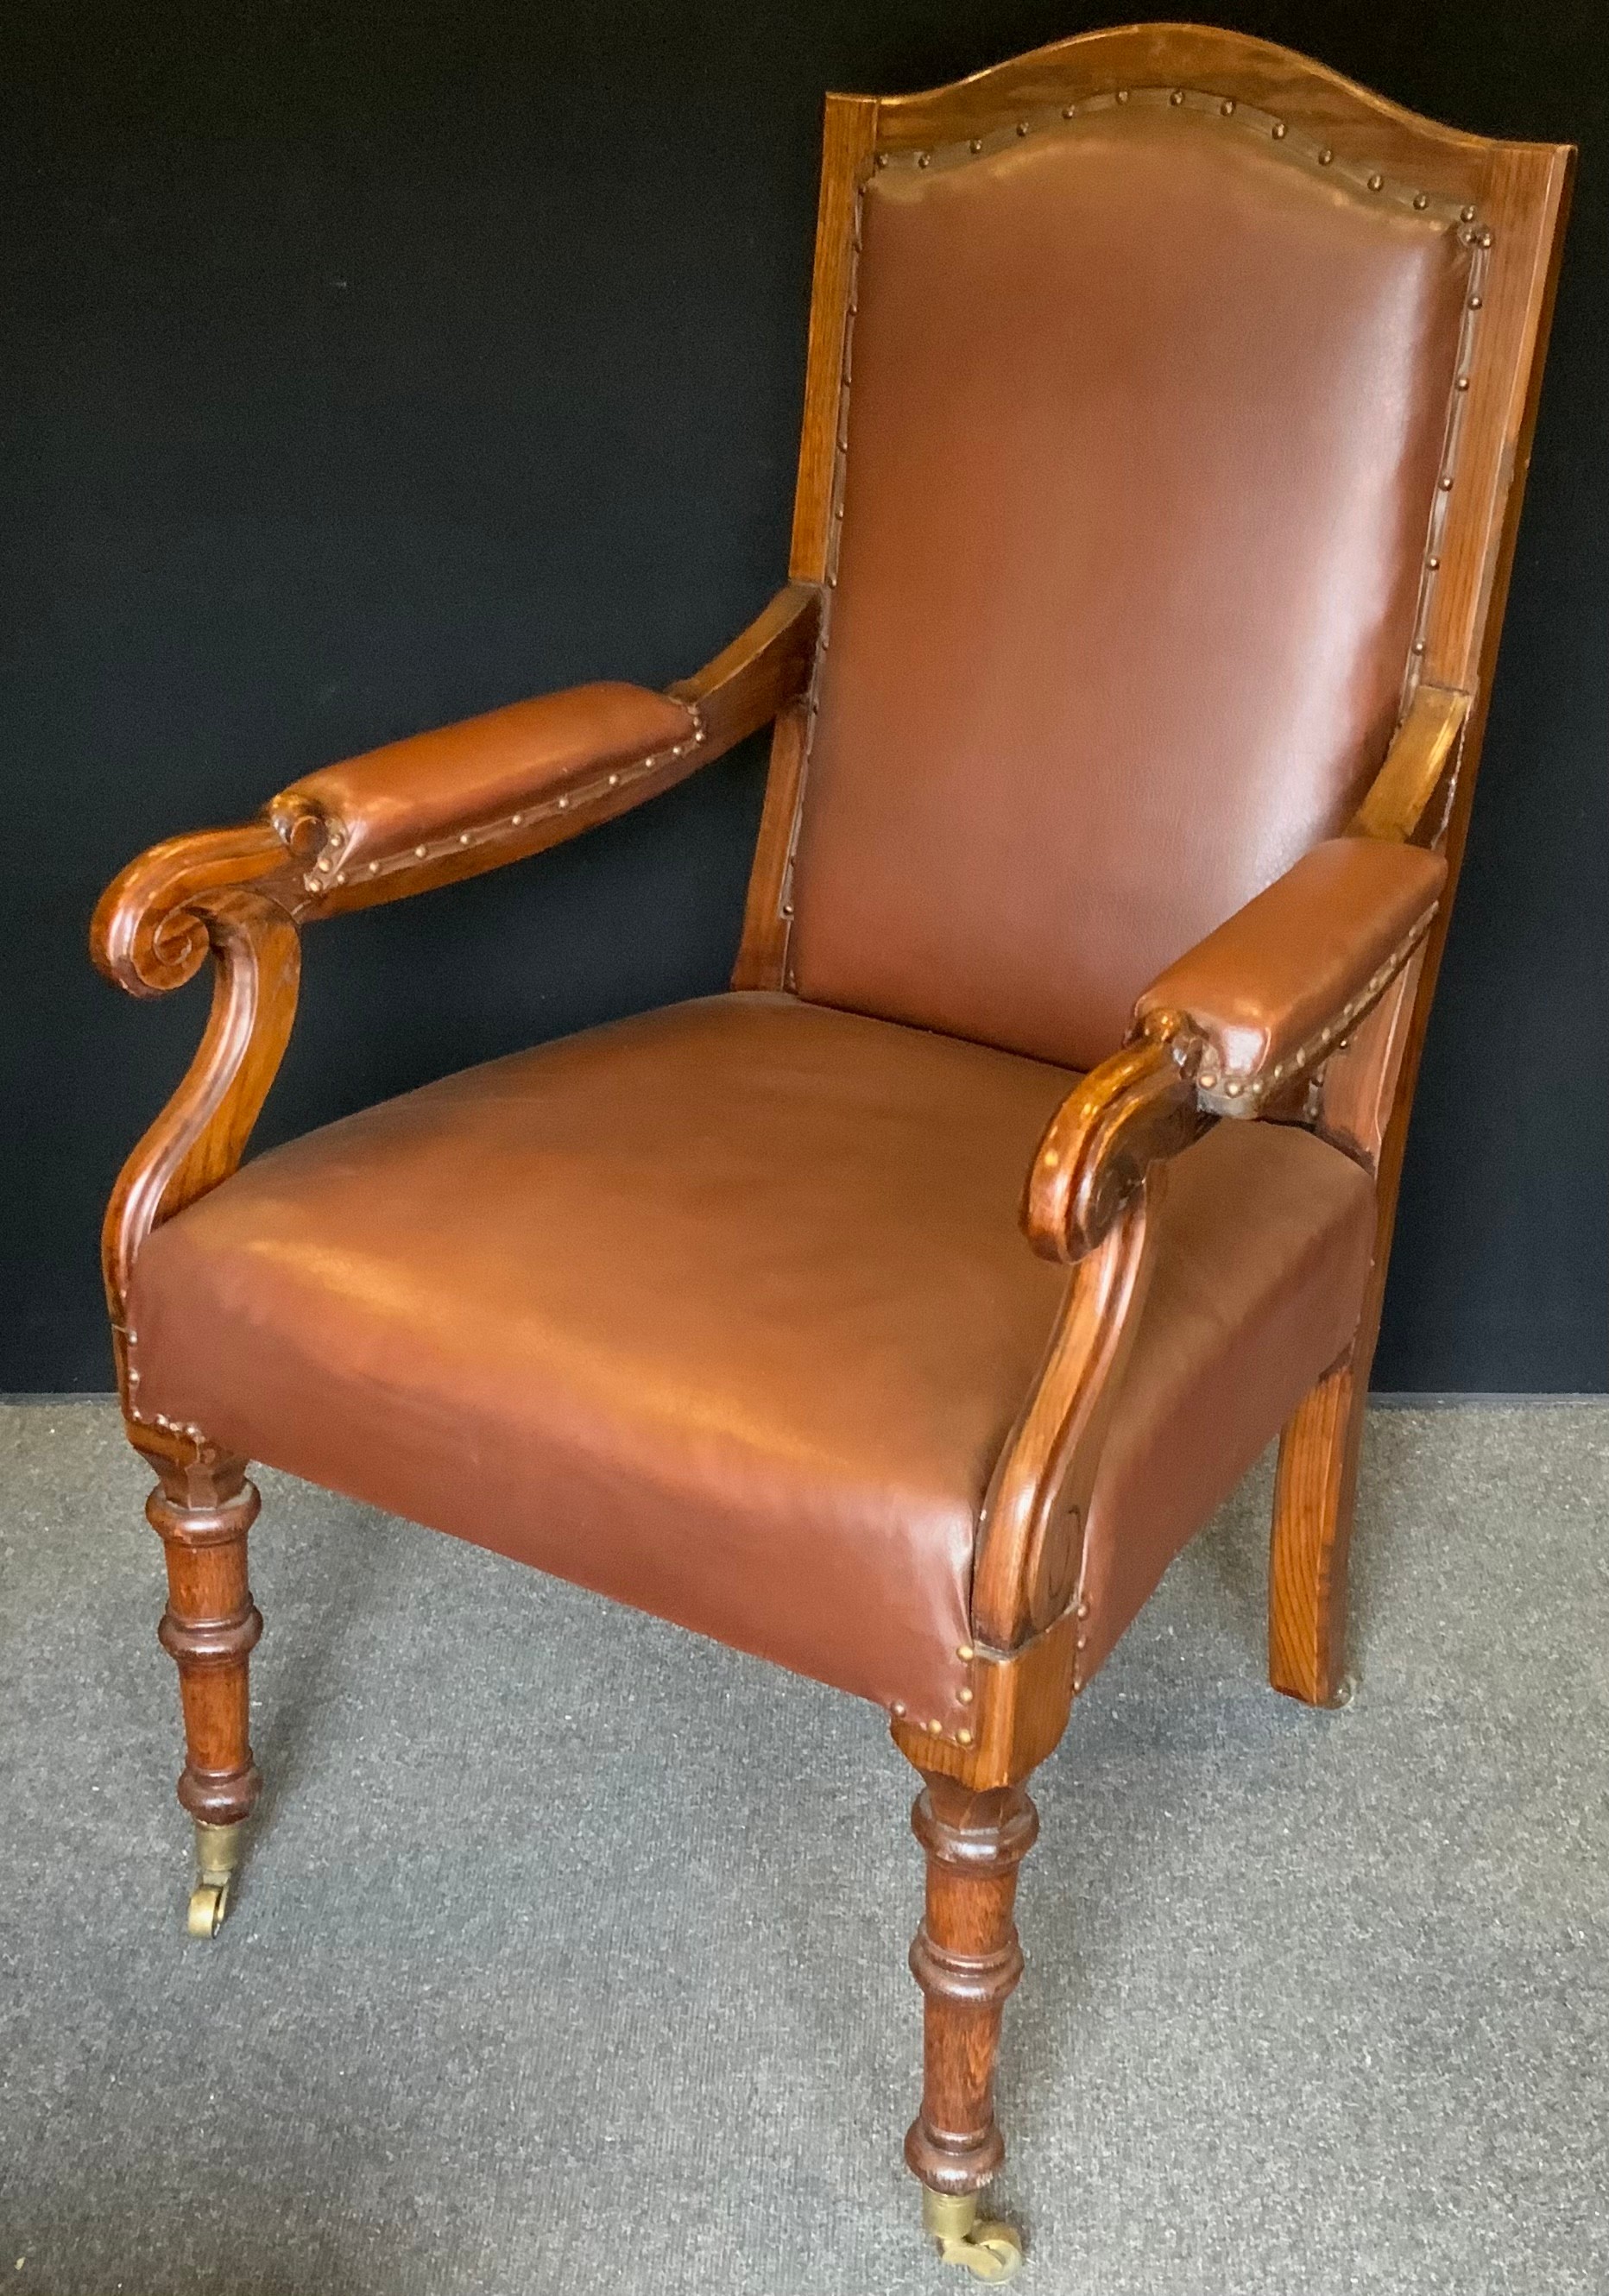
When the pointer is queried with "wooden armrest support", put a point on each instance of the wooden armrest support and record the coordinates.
(496, 788)
(754, 678)
(1268, 995)
(472, 796)
(1088, 1202)
(1136, 1109)
(450, 804)
(1254, 1005)
(1398, 806)
(416, 814)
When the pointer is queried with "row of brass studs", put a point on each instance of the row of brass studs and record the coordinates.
(841, 443)
(131, 1380)
(1360, 175)
(967, 1653)
(325, 877)
(1234, 1094)
(1477, 238)
(1248, 117)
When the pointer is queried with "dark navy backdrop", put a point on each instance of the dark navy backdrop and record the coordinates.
(371, 365)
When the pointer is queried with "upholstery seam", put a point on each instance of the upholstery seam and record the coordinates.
(1238, 1092)
(1303, 149)
(325, 877)
(841, 447)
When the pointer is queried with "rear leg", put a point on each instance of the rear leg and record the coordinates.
(1314, 1489)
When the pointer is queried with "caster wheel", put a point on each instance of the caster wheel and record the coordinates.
(991, 2251)
(988, 2250)
(1346, 1690)
(209, 1903)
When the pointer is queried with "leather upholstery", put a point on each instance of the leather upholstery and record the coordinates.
(1144, 427)
(1294, 962)
(725, 1311)
(466, 776)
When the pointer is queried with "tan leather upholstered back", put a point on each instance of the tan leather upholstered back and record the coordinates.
(1144, 424)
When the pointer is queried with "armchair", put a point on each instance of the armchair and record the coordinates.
(901, 1313)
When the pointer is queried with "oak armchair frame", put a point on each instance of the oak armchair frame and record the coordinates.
(242, 895)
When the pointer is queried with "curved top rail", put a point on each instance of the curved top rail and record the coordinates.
(1206, 60)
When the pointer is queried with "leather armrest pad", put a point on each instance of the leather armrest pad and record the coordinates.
(471, 776)
(1284, 977)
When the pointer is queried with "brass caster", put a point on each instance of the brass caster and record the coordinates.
(217, 1855)
(1346, 1690)
(986, 2250)
(209, 1903)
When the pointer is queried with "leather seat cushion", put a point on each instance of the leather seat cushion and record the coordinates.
(725, 1311)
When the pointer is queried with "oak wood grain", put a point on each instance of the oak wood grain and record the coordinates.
(967, 1960)
(1422, 754)
(848, 135)
(202, 1509)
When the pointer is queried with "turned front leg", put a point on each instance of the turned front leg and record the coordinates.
(202, 1513)
(967, 1959)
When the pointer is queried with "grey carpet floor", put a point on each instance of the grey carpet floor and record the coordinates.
(571, 1953)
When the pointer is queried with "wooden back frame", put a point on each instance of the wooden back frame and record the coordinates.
(1512, 201)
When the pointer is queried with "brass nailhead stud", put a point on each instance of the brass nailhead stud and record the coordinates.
(1377, 182)
(1474, 302)
(1278, 130)
(1082, 1611)
(924, 159)
(1447, 486)
(1068, 110)
(963, 1737)
(1486, 239)
(419, 852)
(965, 1652)
(1466, 215)
(1207, 1079)
(1021, 128)
(374, 868)
(1326, 156)
(614, 781)
(1421, 200)
(1432, 563)
(963, 1697)
(564, 801)
(463, 833)
(976, 143)
(935, 1729)
(1228, 106)
(1418, 645)
(882, 159)
(897, 1709)
(1178, 96)
(1462, 384)
(1234, 1087)
(1122, 95)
